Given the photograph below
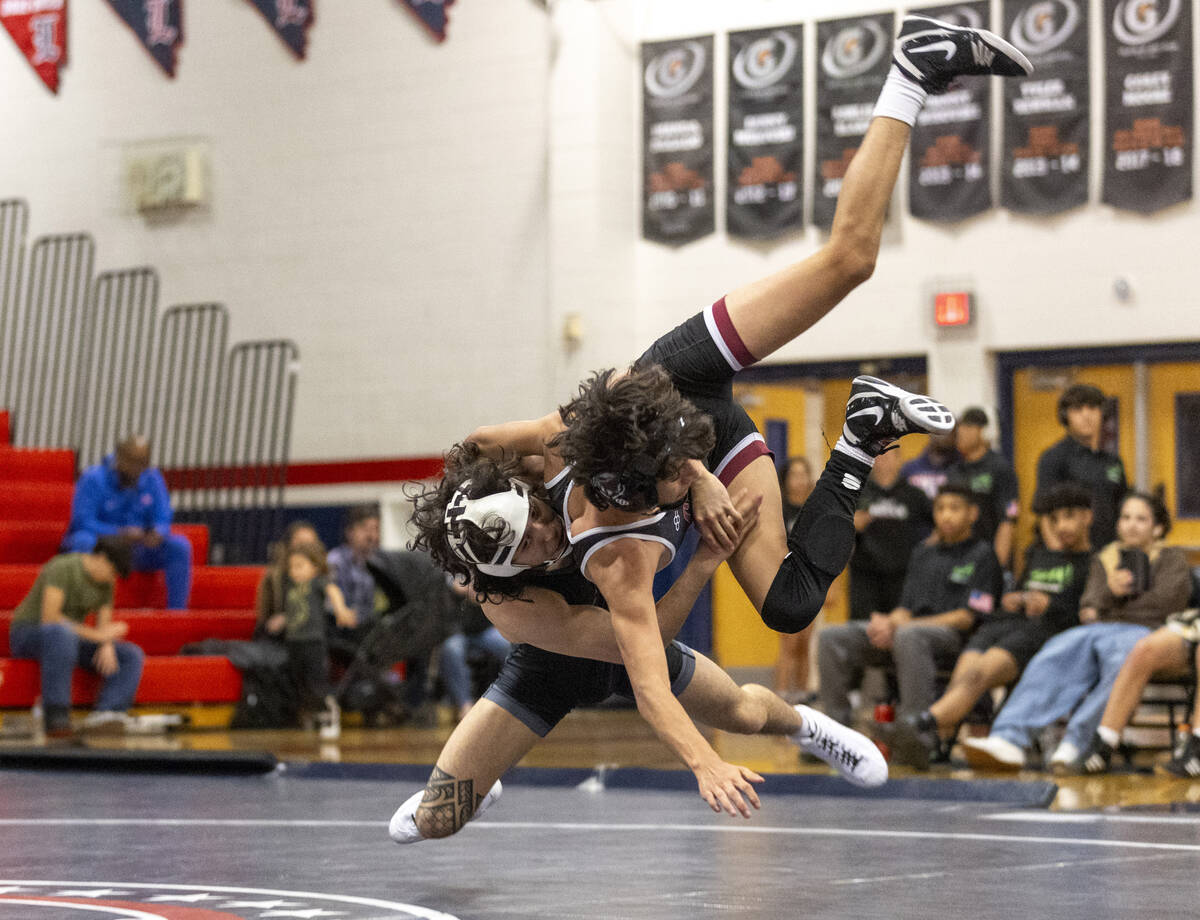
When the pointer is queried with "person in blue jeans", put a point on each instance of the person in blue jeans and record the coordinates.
(476, 635)
(124, 496)
(48, 626)
(1133, 584)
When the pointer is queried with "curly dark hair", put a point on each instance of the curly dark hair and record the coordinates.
(465, 462)
(636, 422)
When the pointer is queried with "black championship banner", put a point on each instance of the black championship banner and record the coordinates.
(766, 131)
(291, 20)
(158, 24)
(434, 15)
(950, 162)
(1045, 167)
(854, 57)
(1148, 103)
(677, 132)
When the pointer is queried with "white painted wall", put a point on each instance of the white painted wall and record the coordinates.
(362, 200)
(387, 194)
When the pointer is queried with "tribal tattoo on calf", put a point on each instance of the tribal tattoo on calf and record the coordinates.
(448, 802)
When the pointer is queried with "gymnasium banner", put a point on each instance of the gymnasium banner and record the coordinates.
(291, 20)
(1148, 104)
(855, 55)
(158, 24)
(950, 161)
(766, 132)
(677, 135)
(39, 27)
(434, 15)
(1046, 115)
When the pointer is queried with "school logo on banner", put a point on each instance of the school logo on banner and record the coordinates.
(1046, 115)
(951, 141)
(39, 27)
(766, 130)
(158, 24)
(1148, 104)
(677, 135)
(855, 55)
(290, 19)
(434, 15)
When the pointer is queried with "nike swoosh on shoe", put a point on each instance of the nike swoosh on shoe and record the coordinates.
(948, 46)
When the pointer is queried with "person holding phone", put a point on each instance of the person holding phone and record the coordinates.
(1075, 671)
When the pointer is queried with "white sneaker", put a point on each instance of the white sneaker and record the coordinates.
(403, 826)
(1065, 756)
(106, 722)
(993, 753)
(330, 721)
(854, 755)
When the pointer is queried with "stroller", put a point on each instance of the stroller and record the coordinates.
(421, 613)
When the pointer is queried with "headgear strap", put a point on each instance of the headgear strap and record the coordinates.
(509, 508)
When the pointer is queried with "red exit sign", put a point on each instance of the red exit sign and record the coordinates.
(952, 309)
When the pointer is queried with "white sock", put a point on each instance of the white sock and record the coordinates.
(856, 452)
(1108, 736)
(900, 98)
(403, 826)
(805, 731)
(1196, 731)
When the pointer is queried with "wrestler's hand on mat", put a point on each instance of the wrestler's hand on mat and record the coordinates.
(747, 506)
(726, 787)
(714, 513)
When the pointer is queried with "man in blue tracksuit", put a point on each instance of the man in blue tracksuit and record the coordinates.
(126, 497)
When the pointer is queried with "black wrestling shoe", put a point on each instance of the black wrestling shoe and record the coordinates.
(1099, 759)
(915, 741)
(932, 53)
(878, 413)
(1186, 762)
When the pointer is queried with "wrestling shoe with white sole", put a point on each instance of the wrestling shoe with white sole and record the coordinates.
(878, 413)
(932, 53)
(851, 753)
(403, 826)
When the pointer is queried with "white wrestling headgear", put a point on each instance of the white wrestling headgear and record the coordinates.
(510, 508)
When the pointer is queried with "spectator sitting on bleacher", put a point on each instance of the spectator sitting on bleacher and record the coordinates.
(949, 583)
(301, 624)
(993, 480)
(475, 634)
(1132, 586)
(271, 596)
(48, 626)
(1170, 651)
(125, 497)
(1046, 604)
(348, 568)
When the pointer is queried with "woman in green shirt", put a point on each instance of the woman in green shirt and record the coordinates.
(49, 627)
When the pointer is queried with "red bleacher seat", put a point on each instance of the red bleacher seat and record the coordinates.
(37, 541)
(225, 587)
(25, 465)
(5, 429)
(165, 679)
(36, 501)
(165, 632)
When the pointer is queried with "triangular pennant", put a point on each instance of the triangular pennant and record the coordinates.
(290, 19)
(158, 24)
(39, 27)
(434, 15)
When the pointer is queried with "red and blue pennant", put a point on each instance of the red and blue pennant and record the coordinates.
(434, 15)
(158, 24)
(39, 27)
(290, 19)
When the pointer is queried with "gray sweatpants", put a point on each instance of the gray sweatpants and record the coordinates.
(918, 653)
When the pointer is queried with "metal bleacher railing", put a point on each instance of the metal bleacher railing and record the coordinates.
(85, 361)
